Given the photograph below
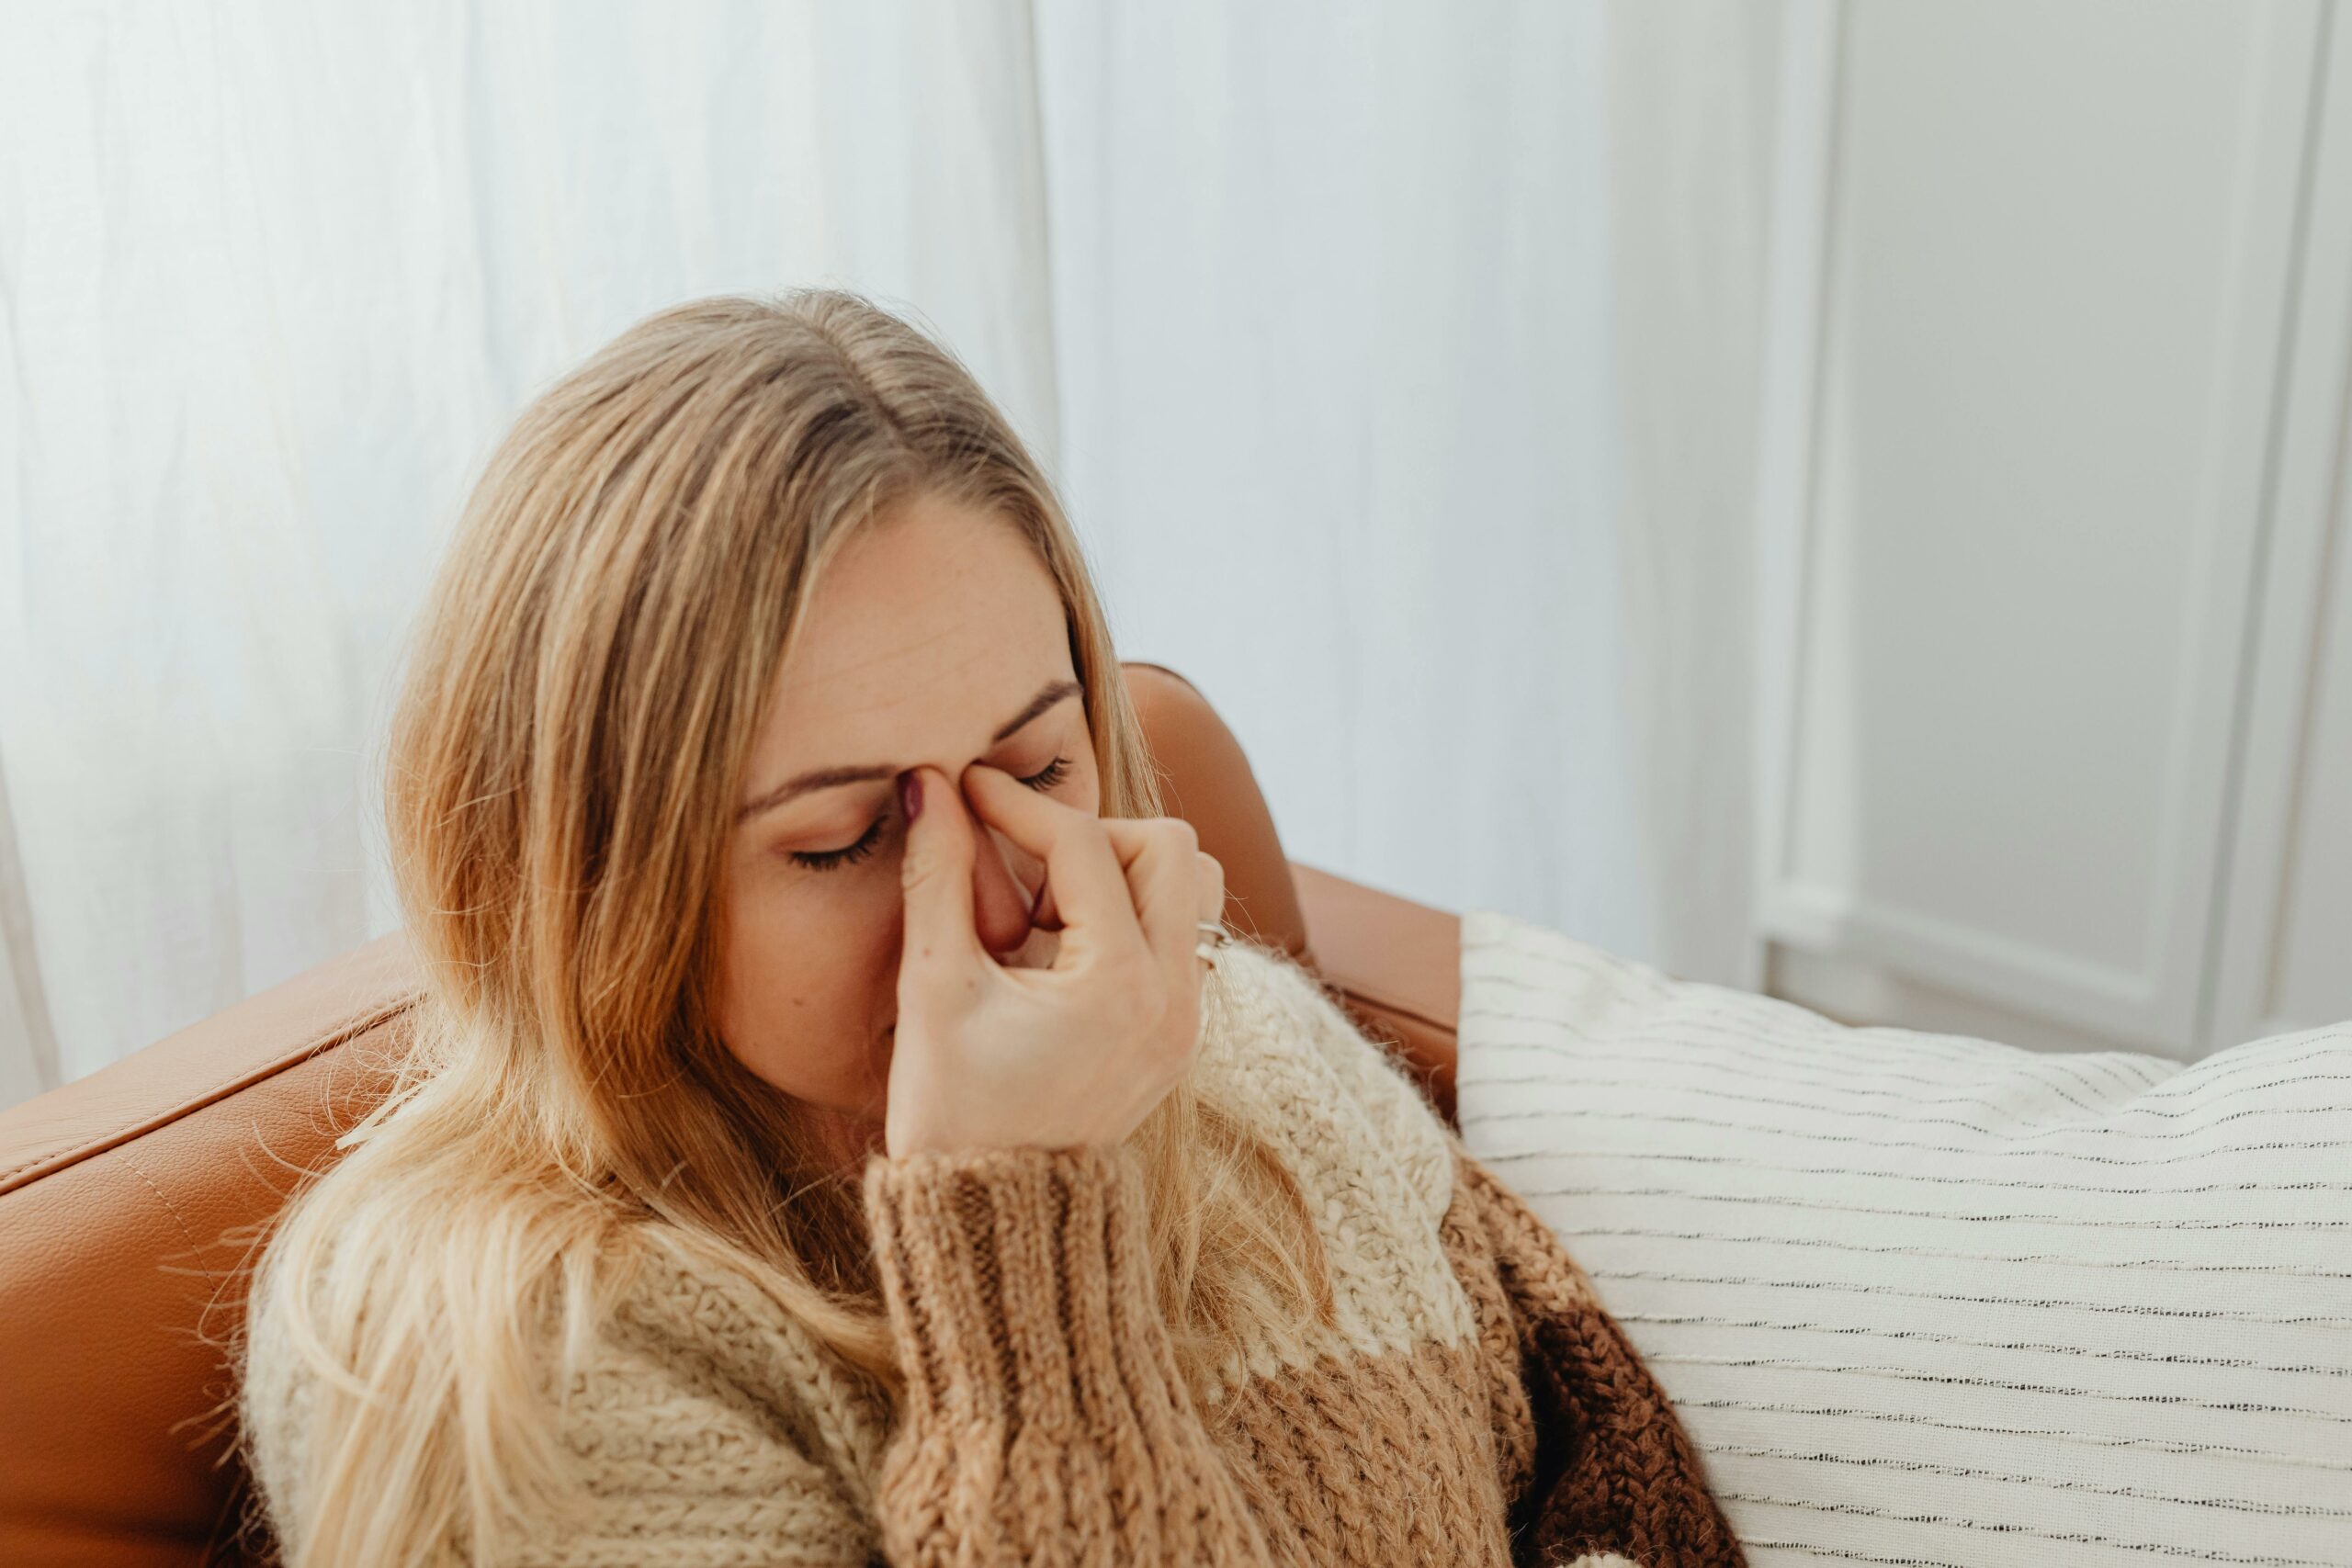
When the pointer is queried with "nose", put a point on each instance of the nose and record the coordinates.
(1004, 884)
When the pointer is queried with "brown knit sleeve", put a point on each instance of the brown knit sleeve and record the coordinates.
(1046, 1418)
(1600, 1469)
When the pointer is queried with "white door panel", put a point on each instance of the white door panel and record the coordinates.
(2060, 248)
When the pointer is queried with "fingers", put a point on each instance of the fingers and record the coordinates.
(1085, 872)
(1211, 880)
(1126, 881)
(935, 873)
(1173, 884)
(1165, 874)
(1176, 886)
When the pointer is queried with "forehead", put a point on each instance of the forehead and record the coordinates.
(925, 632)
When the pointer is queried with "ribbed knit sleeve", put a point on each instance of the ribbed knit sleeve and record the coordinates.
(1599, 1472)
(1045, 1419)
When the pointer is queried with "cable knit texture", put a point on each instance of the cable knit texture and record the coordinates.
(1471, 1403)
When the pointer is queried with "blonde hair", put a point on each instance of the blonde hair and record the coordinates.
(566, 754)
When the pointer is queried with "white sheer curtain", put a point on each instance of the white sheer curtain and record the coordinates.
(1310, 308)
(1331, 290)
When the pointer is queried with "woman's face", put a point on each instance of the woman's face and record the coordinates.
(935, 636)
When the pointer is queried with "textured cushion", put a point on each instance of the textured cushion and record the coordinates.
(1925, 1299)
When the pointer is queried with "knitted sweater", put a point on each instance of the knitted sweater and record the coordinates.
(1472, 1403)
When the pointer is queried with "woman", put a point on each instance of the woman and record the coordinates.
(828, 1136)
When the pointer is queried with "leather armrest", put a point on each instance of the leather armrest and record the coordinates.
(1396, 963)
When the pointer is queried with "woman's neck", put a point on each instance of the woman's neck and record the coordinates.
(843, 1141)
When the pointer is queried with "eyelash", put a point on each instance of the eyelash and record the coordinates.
(1050, 775)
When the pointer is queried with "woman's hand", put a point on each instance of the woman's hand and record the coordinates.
(990, 1058)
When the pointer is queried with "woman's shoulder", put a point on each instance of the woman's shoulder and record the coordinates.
(647, 1374)
(1280, 1052)
(1265, 1012)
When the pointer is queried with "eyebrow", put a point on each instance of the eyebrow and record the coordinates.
(1052, 691)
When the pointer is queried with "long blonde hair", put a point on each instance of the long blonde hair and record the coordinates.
(570, 741)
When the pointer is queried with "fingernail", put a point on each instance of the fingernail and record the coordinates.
(910, 793)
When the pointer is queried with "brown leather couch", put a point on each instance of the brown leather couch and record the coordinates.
(130, 1199)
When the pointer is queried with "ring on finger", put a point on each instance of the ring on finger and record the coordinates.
(1213, 936)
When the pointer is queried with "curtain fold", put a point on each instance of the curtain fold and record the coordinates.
(28, 1062)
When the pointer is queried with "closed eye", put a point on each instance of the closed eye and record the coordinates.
(1052, 775)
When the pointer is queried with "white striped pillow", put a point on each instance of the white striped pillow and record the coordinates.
(1928, 1300)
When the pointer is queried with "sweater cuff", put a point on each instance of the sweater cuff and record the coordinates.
(1019, 1282)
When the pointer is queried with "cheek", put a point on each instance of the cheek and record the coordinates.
(808, 978)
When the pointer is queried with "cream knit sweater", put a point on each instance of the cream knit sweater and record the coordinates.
(1472, 1405)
